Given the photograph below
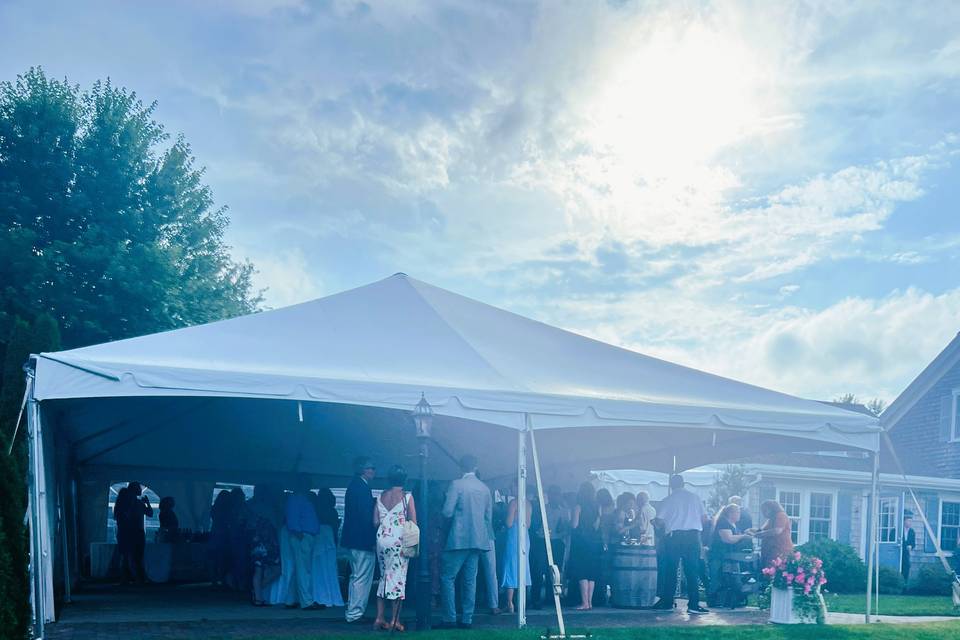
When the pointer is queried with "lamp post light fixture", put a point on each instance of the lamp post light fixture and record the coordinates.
(423, 418)
(423, 421)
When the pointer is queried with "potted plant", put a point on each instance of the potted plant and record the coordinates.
(793, 593)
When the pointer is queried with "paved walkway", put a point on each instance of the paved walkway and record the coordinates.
(199, 611)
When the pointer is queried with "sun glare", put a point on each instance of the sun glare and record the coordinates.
(676, 98)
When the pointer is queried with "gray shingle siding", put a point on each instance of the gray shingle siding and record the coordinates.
(917, 436)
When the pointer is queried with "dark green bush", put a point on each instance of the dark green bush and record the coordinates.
(891, 582)
(931, 580)
(845, 571)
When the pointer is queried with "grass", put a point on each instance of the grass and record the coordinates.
(893, 605)
(930, 631)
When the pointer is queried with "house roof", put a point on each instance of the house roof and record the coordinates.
(944, 362)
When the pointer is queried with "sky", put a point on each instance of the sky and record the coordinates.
(763, 190)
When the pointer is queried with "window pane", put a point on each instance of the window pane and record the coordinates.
(949, 525)
(790, 500)
(887, 524)
(821, 513)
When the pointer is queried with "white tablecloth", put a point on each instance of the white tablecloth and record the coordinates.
(163, 561)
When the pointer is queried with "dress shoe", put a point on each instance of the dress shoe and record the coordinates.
(697, 610)
(662, 605)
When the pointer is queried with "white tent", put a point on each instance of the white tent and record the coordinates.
(307, 387)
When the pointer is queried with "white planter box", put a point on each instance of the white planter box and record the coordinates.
(781, 607)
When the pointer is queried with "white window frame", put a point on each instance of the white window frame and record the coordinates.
(780, 491)
(832, 533)
(940, 524)
(803, 526)
(895, 523)
(954, 423)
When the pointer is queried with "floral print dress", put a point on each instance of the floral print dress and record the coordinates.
(393, 565)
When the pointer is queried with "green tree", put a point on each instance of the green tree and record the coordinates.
(730, 481)
(107, 231)
(105, 223)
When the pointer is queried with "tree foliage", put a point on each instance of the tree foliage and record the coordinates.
(105, 223)
(106, 232)
(731, 481)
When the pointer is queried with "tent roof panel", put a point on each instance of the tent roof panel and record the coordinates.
(382, 344)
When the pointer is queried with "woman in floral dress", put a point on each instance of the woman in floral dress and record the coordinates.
(393, 508)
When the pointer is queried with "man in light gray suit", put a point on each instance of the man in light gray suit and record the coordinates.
(469, 505)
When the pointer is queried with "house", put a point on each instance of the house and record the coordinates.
(827, 494)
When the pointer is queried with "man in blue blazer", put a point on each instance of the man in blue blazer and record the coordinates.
(359, 537)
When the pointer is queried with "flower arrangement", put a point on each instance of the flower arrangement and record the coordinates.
(804, 576)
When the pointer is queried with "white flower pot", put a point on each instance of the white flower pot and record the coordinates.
(781, 606)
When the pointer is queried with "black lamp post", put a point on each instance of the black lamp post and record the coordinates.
(423, 420)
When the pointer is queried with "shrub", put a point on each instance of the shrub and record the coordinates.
(932, 580)
(891, 582)
(844, 568)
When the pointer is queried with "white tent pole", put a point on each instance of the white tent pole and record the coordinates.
(521, 529)
(37, 505)
(871, 532)
(554, 571)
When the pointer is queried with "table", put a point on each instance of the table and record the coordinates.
(163, 561)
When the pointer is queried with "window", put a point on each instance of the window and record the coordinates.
(949, 525)
(887, 525)
(955, 416)
(790, 500)
(821, 515)
(151, 523)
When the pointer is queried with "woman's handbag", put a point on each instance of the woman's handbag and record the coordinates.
(411, 534)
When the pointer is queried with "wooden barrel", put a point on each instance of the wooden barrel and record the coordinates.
(633, 576)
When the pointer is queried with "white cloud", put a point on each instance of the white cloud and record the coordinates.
(871, 347)
(286, 276)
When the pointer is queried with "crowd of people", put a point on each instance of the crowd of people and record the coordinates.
(282, 547)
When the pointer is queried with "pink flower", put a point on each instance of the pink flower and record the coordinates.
(806, 590)
(796, 555)
(788, 576)
(768, 571)
(823, 581)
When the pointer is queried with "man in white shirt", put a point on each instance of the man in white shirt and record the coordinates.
(682, 514)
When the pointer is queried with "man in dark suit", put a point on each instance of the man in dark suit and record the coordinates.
(359, 537)
(907, 544)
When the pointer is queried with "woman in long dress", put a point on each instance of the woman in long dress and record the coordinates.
(392, 509)
(587, 545)
(326, 586)
(265, 518)
(511, 580)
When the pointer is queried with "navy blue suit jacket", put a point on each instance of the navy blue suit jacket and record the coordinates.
(359, 531)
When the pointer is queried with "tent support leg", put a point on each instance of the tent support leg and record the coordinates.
(521, 529)
(871, 533)
(554, 571)
(39, 552)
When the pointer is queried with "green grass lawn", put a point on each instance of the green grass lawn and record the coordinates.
(933, 631)
(893, 605)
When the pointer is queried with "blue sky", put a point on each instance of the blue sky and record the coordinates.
(762, 190)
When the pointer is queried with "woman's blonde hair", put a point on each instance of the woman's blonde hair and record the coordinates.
(725, 513)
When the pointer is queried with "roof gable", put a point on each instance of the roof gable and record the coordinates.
(945, 361)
